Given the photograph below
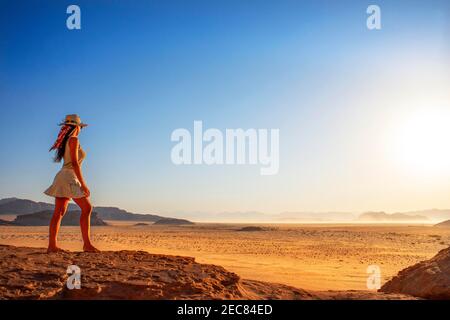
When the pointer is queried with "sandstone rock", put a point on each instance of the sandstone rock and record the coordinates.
(428, 279)
(443, 224)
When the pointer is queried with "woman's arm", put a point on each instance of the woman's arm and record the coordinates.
(73, 146)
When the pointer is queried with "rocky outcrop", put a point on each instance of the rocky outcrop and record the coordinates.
(443, 224)
(173, 222)
(6, 223)
(251, 229)
(428, 279)
(30, 273)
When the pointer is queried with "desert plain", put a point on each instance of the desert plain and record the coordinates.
(307, 256)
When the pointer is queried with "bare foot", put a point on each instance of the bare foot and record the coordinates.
(55, 249)
(90, 248)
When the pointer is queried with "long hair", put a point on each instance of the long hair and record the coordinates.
(60, 143)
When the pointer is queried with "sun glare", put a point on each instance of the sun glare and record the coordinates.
(423, 142)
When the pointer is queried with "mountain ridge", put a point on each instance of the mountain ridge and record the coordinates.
(42, 218)
(383, 216)
(16, 206)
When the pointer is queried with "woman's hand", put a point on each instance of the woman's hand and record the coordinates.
(85, 190)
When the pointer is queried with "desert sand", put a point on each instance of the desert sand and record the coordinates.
(311, 257)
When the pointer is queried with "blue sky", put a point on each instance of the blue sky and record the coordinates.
(137, 70)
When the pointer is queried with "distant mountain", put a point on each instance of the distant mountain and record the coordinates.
(113, 213)
(6, 200)
(71, 218)
(386, 217)
(22, 206)
(432, 214)
(14, 206)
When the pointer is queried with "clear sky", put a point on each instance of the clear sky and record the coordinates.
(362, 114)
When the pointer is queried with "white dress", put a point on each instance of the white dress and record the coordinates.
(66, 183)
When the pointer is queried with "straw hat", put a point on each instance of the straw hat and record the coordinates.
(74, 120)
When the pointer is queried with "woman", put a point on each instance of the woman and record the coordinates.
(69, 182)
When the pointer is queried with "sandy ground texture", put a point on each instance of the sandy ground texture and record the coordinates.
(31, 273)
(311, 257)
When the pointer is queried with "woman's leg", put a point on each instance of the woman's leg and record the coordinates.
(60, 209)
(85, 223)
